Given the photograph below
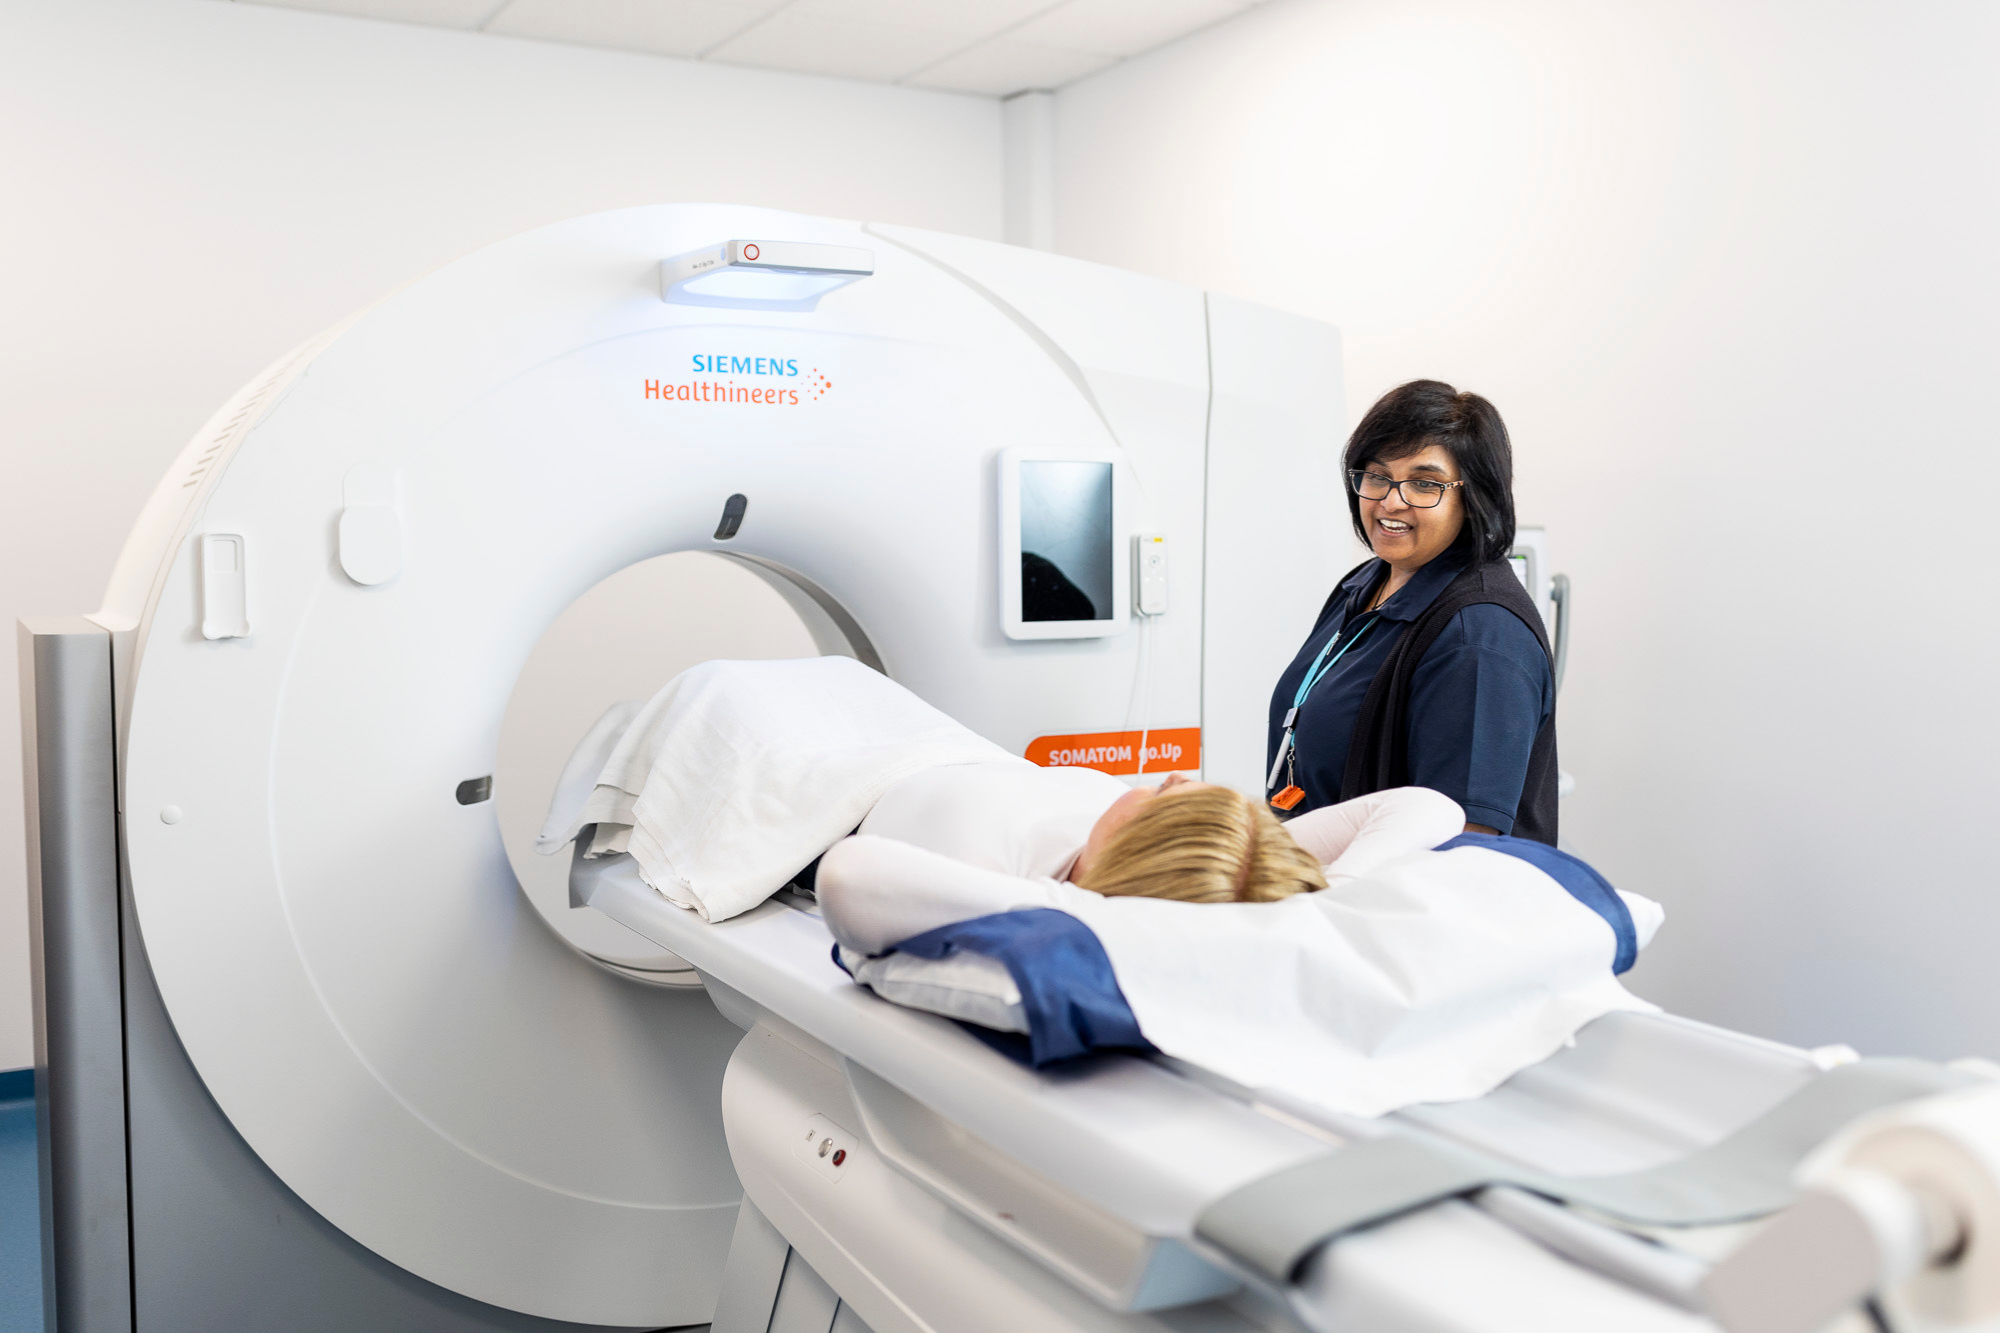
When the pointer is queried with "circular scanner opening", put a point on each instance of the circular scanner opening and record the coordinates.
(623, 639)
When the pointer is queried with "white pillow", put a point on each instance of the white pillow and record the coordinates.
(579, 775)
(966, 986)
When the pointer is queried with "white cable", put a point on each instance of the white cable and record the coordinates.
(1146, 713)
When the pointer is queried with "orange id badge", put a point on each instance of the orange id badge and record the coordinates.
(1289, 797)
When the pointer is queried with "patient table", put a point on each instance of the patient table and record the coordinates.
(958, 1161)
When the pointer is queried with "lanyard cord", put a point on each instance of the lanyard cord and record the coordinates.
(1314, 674)
(1317, 671)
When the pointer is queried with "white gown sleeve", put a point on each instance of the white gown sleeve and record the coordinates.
(875, 891)
(1352, 838)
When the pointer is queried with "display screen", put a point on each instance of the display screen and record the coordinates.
(1066, 541)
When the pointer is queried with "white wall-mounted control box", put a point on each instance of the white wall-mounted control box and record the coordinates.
(1149, 573)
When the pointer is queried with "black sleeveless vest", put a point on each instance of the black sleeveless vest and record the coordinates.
(1379, 755)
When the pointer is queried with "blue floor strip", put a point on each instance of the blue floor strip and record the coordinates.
(20, 1207)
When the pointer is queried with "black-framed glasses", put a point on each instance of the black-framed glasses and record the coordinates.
(1417, 492)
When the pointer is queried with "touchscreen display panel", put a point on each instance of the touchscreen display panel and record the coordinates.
(1066, 541)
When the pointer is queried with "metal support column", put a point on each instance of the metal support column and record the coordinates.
(68, 755)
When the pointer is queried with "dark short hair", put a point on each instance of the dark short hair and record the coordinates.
(1412, 417)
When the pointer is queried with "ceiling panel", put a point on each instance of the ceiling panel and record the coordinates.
(1003, 67)
(1121, 28)
(991, 47)
(430, 13)
(968, 18)
(688, 28)
(875, 51)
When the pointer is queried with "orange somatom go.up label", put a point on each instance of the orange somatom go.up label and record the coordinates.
(1176, 749)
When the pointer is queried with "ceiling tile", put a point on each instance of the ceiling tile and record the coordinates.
(966, 18)
(1123, 27)
(1002, 67)
(662, 27)
(430, 13)
(802, 42)
(994, 47)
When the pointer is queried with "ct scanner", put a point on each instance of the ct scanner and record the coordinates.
(312, 1060)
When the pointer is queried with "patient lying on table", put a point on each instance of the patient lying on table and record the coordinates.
(1365, 956)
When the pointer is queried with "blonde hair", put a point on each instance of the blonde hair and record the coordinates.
(1204, 845)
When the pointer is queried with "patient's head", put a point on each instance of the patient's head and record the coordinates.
(1197, 842)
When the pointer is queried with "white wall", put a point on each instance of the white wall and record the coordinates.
(1730, 271)
(189, 188)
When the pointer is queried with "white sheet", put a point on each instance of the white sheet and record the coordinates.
(1351, 839)
(1017, 818)
(578, 782)
(1434, 976)
(736, 774)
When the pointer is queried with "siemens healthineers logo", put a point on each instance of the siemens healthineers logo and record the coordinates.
(727, 382)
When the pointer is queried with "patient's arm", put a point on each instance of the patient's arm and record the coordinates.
(875, 891)
(1354, 837)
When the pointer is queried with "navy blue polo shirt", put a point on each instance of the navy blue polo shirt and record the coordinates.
(1477, 700)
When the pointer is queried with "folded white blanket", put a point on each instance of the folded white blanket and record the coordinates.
(737, 774)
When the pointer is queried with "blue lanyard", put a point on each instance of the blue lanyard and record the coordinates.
(1314, 674)
(1321, 666)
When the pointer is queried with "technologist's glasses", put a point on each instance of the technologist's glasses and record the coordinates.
(1416, 493)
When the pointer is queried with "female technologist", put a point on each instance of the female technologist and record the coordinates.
(1429, 665)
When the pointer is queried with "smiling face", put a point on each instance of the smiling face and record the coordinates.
(1406, 537)
(1120, 813)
